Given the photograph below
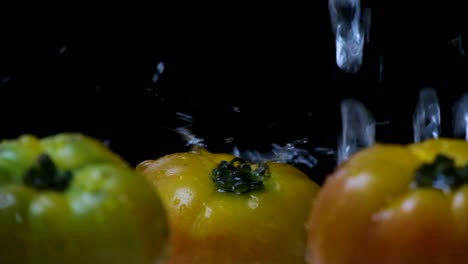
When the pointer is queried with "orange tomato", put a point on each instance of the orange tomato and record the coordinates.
(394, 204)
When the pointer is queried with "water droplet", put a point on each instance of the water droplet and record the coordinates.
(182, 197)
(381, 69)
(184, 117)
(358, 129)
(208, 212)
(62, 50)
(426, 118)
(6, 200)
(458, 44)
(159, 70)
(326, 151)
(19, 219)
(460, 118)
(366, 23)
(153, 92)
(382, 123)
(160, 67)
(107, 142)
(6, 79)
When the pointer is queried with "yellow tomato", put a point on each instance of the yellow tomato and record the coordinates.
(225, 210)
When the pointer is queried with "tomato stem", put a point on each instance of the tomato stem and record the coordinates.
(441, 173)
(238, 177)
(45, 176)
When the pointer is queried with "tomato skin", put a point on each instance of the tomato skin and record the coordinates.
(107, 213)
(208, 226)
(369, 212)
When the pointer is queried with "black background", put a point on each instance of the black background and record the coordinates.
(92, 73)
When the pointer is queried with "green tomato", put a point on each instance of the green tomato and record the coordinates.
(68, 199)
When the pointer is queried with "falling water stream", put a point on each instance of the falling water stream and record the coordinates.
(426, 118)
(358, 126)
(351, 26)
(460, 118)
(358, 129)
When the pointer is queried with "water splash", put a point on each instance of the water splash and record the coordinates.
(351, 28)
(292, 154)
(185, 118)
(426, 118)
(288, 153)
(190, 138)
(460, 117)
(254, 156)
(358, 129)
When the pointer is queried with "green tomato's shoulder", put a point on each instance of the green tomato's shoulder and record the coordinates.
(105, 177)
(75, 150)
(25, 146)
(69, 151)
(17, 155)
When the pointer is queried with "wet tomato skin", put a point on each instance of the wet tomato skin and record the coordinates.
(372, 210)
(208, 226)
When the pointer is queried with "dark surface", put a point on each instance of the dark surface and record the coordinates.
(276, 66)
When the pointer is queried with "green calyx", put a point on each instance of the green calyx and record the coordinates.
(238, 177)
(44, 175)
(441, 173)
